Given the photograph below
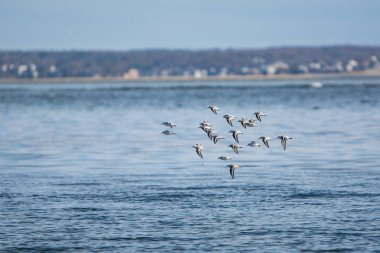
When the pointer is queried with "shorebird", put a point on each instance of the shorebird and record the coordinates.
(254, 144)
(259, 115)
(235, 148)
(198, 149)
(251, 123)
(233, 167)
(206, 129)
(243, 122)
(214, 109)
(168, 124)
(265, 140)
(235, 134)
(283, 139)
(205, 123)
(224, 158)
(216, 138)
(167, 132)
(229, 118)
(211, 134)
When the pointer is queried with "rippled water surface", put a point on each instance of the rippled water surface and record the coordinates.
(85, 168)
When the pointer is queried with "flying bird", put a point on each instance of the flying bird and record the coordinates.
(167, 132)
(211, 134)
(235, 134)
(265, 140)
(259, 115)
(216, 138)
(251, 123)
(224, 158)
(254, 144)
(233, 167)
(206, 129)
(243, 122)
(205, 123)
(284, 139)
(198, 149)
(168, 124)
(229, 118)
(235, 148)
(214, 109)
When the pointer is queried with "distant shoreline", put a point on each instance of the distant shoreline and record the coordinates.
(368, 74)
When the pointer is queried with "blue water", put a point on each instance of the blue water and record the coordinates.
(85, 168)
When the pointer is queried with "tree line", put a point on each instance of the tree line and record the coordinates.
(156, 62)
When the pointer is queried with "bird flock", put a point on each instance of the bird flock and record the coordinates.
(215, 137)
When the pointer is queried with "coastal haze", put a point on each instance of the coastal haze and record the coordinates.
(84, 90)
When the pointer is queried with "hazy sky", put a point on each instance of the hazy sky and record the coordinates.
(193, 24)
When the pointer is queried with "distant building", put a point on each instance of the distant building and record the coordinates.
(374, 62)
(200, 73)
(52, 69)
(21, 69)
(245, 70)
(223, 72)
(275, 68)
(131, 74)
(281, 67)
(212, 71)
(270, 70)
(4, 68)
(33, 70)
(302, 69)
(315, 66)
(352, 65)
(339, 66)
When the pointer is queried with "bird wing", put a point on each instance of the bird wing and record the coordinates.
(258, 117)
(235, 137)
(232, 172)
(199, 152)
(266, 143)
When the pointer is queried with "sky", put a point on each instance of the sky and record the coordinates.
(185, 24)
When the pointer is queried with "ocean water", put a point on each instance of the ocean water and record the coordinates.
(85, 168)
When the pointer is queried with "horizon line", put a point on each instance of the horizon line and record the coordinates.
(192, 49)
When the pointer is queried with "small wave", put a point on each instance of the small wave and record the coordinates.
(84, 209)
(329, 194)
(77, 184)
